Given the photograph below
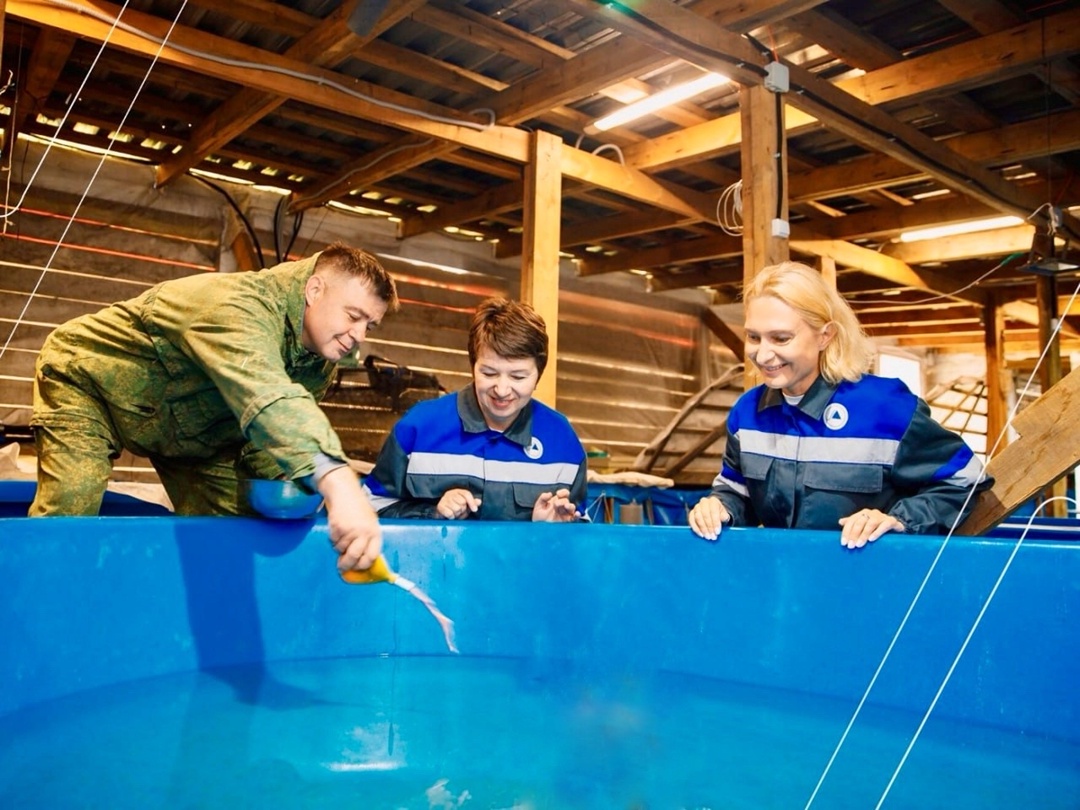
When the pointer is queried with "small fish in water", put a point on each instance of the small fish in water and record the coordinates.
(380, 571)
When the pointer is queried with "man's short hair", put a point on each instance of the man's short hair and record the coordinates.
(360, 263)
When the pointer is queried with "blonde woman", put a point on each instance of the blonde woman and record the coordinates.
(822, 444)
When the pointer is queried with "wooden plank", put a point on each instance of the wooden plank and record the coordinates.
(540, 240)
(1048, 447)
(496, 200)
(848, 108)
(996, 372)
(724, 332)
(680, 252)
(325, 45)
(648, 457)
(764, 168)
(51, 51)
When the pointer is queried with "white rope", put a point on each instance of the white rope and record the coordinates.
(86, 190)
(967, 640)
(933, 565)
(59, 127)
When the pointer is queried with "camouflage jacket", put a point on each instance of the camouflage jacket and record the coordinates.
(197, 364)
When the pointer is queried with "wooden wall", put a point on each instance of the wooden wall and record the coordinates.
(626, 364)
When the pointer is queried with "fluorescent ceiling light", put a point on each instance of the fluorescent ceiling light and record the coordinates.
(960, 227)
(665, 98)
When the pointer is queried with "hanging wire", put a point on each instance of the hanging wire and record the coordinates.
(954, 293)
(243, 217)
(729, 210)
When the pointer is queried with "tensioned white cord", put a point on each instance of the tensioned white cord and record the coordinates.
(60, 126)
(929, 573)
(241, 63)
(105, 154)
(967, 639)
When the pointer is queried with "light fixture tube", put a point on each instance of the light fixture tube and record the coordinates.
(665, 98)
(958, 228)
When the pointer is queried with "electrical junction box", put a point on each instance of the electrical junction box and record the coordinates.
(776, 77)
(781, 228)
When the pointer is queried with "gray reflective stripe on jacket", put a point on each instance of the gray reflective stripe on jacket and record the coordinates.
(802, 476)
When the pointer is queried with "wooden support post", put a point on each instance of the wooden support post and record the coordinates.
(764, 168)
(540, 245)
(827, 266)
(997, 408)
(1050, 371)
(244, 251)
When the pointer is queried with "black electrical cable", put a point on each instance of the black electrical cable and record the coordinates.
(645, 21)
(298, 221)
(239, 213)
(780, 135)
(761, 47)
(277, 229)
(889, 136)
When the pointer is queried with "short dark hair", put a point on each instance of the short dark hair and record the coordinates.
(511, 329)
(360, 263)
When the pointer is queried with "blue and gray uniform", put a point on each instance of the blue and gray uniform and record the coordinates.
(443, 444)
(871, 444)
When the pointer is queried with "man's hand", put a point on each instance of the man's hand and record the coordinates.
(354, 526)
(708, 516)
(456, 504)
(866, 526)
(554, 507)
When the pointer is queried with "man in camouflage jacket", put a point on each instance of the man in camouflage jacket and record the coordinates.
(213, 378)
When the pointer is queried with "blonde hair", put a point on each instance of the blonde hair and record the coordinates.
(849, 354)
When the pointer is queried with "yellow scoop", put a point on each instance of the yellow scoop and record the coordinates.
(380, 571)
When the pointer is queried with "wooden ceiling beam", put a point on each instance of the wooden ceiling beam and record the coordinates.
(1019, 343)
(884, 267)
(690, 276)
(594, 71)
(50, 53)
(594, 231)
(501, 141)
(325, 45)
(859, 49)
(266, 14)
(497, 199)
(991, 16)
(999, 242)
(907, 80)
(493, 35)
(1017, 142)
(681, 252)
(887, 222)
(685, 34)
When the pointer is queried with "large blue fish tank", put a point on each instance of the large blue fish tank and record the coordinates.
(161, 662)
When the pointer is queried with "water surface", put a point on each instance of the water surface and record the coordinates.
(441, 732)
